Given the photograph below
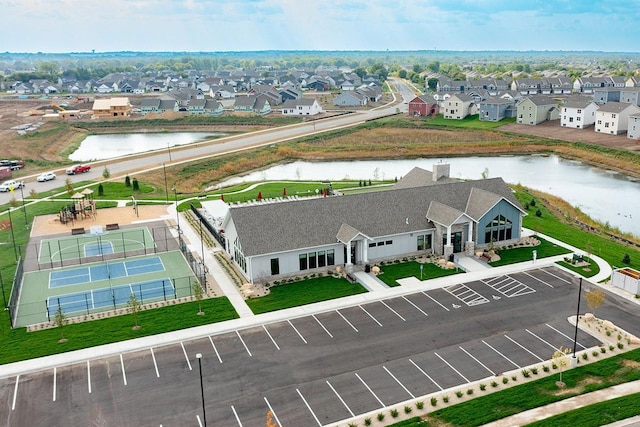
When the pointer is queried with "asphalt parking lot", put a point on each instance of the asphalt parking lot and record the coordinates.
(321, 368)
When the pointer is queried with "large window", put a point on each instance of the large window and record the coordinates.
(331, 257)
(313, 260)
(424, 242)
(322, 260)
(275, 266)
(317, 259)
(303, 261)
(498, 229)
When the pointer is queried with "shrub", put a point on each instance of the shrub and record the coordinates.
(407, 409)
(626, 259)
(538, 213)
(459, 393)
(380, 416)
(585, 356)
(483, 387)
(514, 378)
(532, 202)
(394, 413)
(445, 399)
(100, 190)
(594, 353)
(603, 350)
(534, 371)
(608, 333)
(420, 403)
(545, 368)
(505, 380)
(353, 425)
(525, 373)
(434, 401)
(554, 366)
(611, 348)
(127, 181)
(367, 421)
(470, 391)
(620, 345)
(494, 384)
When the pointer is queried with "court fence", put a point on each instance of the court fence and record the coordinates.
(15, 292)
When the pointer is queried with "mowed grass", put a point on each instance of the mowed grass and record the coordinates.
(586, 271)
(544, 249)
(304, 292)
(392, 272)
(469, 122)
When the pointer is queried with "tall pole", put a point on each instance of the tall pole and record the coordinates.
(204, 413)
(13, 236)
(166, 189)
(575, 337)
(204, 276)
(4, 298)
(169, 151)
(175, 198)
(24, 208)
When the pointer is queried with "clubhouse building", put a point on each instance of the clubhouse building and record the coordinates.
(423, 213)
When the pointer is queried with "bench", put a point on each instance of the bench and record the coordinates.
(351, 278)
(76, 231)
(112, 227)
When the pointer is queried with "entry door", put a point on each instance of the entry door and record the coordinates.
(456, 241)
(353, 253)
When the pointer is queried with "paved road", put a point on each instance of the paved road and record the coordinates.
(321, 368)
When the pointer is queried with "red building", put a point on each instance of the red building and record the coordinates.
(423, 105)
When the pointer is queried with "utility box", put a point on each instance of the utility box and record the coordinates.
(626, 278)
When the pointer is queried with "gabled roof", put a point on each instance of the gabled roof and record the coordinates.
(443, 214)
(540, 100)
(347, 233)
(617, 107)
(418, 177)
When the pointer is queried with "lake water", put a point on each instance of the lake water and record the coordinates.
(101, 147)
(604, 195)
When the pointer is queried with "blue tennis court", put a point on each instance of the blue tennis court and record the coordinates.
(111, 297)
(98, 249)
(105, 271)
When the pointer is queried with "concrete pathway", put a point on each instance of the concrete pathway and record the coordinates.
(370, 281)
(469, 264)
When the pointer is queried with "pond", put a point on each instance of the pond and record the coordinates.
(604, 195)
(101, 147)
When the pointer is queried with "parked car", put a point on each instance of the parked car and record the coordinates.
(11, 185)
(13, 164)
(78, 169)
(47, 176)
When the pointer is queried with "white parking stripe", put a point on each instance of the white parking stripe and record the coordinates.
(425, 374)
(539, 280)
(272, 340)
(275, 417)
(370, 391)
(345, 319)
(215, 349)
(124, 374)
(416, 307)
(15, 394)
(556, 276)
(505, 357)
(245, 346)
(398, 381)
(153, 356)
(89, 376)
(541, 339)
(297, 332)
(479, 362)
(432, 299)
(55, 380)
(369, 314)
(340, 398)
(235, 414)
(524, 348)
(309, 407)
(566, 336)
(449, 365)
(395, 312)
(319, 323)
(186, 356)
(199, 420)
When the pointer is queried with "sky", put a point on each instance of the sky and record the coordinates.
(254, 25)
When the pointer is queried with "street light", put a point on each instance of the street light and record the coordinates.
(175, 198)
(575, 337)
(204, 413)
(166, 189)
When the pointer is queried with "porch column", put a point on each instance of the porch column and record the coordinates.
(470, 233)
(449, 235)
(470, 246)
(365, 251)
(348, 260)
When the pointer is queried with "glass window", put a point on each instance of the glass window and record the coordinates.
(322, 260)
(372, 245)
(389, 242)
(331, 257)
(312, 260)
(303, 261)
(380, 243)
(275, 266)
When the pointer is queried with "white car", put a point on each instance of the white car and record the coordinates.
(11, 185)
(47, 176)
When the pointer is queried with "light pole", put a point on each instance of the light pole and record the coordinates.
(175, 198)
(204, 275)
(13, 236)
(204, 413)
(24, 208)
(575, 337)
(169, 151)
(166, 189)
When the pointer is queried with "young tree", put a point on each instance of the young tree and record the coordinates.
(69, 186)
(106, 173)
(626, 259)
(60, 321)
(594, 298)
(561, 359)
(100, 190)
(134, 306)
(198, 293)
(127, 181)
(136, 185)
(588, 248)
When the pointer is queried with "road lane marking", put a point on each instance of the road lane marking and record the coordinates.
(242, 341)
(309, 407)
(369, 314)
(449, 365)
(434, 300)
(340, 399)
(124, 374)
(479, 362)
(297, 332)
(55, 380)
(215, 349)
(275, 417)
(15, 394)
(395, 312)
(505, 357)
(370, 391)
(235, 414)
(320, 323)
(153, 356)
(89, 376)
(539, 280)
(415, 306)
(425, 374)
(398, 381)
(348, 323)
(186, 356)
(524, 348)
(566, 336)
(272, 340)
(541, 339)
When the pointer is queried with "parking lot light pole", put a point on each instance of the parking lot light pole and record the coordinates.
(204, 413)
(575, 337)
(175, 198)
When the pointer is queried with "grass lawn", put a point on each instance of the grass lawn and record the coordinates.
(469, 122)
(587, 271)
(544, 249)
(393, 272)
(304, 292)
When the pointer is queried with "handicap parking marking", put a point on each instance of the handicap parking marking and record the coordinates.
(508, 286)
(466, 294)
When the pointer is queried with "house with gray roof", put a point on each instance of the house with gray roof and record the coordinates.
(613, 117)
(459, 106)
(269, 240)
(495, 109)
(301, 107)
(630, 95)
(536, 109)
(578, 113)
(602, 95)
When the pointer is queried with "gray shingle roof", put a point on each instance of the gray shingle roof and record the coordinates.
(443, 214)
(614, 107)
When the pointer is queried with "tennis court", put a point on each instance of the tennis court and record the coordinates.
(108, 270)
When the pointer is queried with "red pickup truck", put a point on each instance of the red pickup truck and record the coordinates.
(78, 169)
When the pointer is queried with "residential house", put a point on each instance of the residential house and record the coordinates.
(149, 105)
(289, 93)
(613, 117)
(213, 107)
(111, 107)
(196, 106)
(536, 109)
(589, 84)
(633, 131)
(446, 84)
(458, 106)
(222, 92)
(301, 107)
(423, 105)
(244, 103)
(350, 99)
(633, 81)
(578, 113)
(630, 95)
(373, 93)
(560, 85)
(526, 86)
(167, 105)
(602, 95)
(495, 109)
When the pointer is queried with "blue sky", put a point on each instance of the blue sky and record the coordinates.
(241, 25)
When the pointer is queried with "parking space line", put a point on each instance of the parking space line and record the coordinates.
(479, 362)
(505, 357)
(275, 417)
(55, 380)
(320, 323)
(236, 415)
(541, 339)
(369, 314)
(272, 340)
(395, 312)
(186, 356)
(242, 341)
(398, 381)
(15, 394)
(370, 391)
(153, 356)
(566, 336)
(425, 374)
(432, 299)
(309, 407)
(297, 332)
(215, 349)
(415, 306)
(340, 398)
(345, 319)
(524, 348)
(199, 420)
(556, 276)
(89, 376)
(124, 374)
(539, 280)
(449, 365)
